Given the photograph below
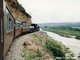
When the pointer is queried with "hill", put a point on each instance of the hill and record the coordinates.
(36, 46)
(65, 24)
(18, 11)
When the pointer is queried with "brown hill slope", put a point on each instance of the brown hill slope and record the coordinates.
(18, 11)
(36, 46)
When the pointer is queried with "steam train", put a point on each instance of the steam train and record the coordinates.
(10, 28)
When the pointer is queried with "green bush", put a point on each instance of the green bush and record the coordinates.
(65, 31)
(55, 49)
(77, 37)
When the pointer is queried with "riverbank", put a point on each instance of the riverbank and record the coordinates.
(73, 44)
(68, 32)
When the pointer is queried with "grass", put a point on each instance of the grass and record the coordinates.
(59, 51)
(28, 55)
(55, 48)
(65, 31)
(48, 46)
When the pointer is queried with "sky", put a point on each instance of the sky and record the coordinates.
(50, 11)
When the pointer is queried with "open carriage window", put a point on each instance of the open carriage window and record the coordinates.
(10, 24)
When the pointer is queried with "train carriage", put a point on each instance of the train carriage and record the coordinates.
(10, 28)
(25, 27)
(17, 28)
(6, 29)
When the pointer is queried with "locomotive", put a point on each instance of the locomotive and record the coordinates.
(10, 29)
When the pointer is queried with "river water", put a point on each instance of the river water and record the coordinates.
(73, 44)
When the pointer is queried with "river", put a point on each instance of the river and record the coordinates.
(73, 44)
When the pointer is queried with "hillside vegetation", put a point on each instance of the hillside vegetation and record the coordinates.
(65, 31)
(41, 47)
(37, 46)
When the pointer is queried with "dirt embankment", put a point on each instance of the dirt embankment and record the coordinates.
(34, 46)
(18, 11)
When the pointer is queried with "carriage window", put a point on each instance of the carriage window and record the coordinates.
(18, 25)
(10, 24)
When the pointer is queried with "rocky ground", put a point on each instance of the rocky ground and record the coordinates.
(30, 47)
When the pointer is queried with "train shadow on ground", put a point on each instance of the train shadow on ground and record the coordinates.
(24, 33)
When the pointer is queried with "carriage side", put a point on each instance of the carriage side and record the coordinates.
(8, 29)
(1, 30)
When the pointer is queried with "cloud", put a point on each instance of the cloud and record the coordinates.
(43, 11)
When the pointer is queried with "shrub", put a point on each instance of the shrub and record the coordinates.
(55, 49)
(77, 37)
